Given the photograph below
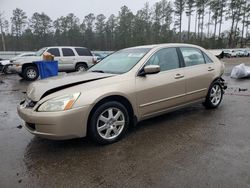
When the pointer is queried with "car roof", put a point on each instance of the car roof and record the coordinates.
(65, 47)
(165, 45)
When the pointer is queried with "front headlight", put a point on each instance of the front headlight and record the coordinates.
(61, 103)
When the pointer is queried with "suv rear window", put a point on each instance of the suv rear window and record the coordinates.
(54, 51)
(67, 52)
(83, 52)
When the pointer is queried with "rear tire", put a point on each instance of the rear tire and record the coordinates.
(81, 67)
(214, 96)
(30, 73)
(109, 122)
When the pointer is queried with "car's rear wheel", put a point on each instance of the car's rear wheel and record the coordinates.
(81, 67)
(214, 96)
(109, 122)
(30, 73)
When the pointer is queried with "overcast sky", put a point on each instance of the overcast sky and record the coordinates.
(57, 8)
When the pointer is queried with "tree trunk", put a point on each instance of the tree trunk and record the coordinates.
(2, 34)
(195, 25)
(209, 20)
(243, 28)
(246, 30)
(199, 19)
(180, 27)
(236, 26)
(202, 23)
(215, 27)
(231, 33)
(221, 16)
(189, 23)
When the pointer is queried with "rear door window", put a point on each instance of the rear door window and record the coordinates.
(192, 56)
(54, 51)
(83, 52)
(67, 52)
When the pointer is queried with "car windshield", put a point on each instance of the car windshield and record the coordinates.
(121, 61)
(40, 52)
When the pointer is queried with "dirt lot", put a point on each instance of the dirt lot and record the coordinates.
(192, 147)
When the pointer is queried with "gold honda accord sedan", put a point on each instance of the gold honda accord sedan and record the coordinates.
(128, 86)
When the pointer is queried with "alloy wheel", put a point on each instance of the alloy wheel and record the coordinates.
(110, 123)
(31, 73)
(215, 94)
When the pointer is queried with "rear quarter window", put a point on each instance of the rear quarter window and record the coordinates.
(207, 59)
(83, 52)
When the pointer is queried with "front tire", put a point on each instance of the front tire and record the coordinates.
(214, 96)
(109, 122)
(30, 73)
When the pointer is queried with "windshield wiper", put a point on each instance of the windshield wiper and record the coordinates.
(97, 71)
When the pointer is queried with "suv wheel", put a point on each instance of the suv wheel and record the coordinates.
(81, 67)
(109, 123)
(30, 73)
(214, 96)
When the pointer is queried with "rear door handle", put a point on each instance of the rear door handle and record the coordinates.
(210, 69)
(178, 76)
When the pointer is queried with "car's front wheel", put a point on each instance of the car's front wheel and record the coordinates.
(30, 73)
(109, 122)
(214, 96)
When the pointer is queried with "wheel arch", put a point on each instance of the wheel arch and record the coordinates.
(27, 65)
(118, 98)
(217, 78)
(81, 62)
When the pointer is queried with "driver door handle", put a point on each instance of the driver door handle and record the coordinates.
(178, 76)
(210, 69)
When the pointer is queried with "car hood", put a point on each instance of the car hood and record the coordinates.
(39, 89)
(5, 62)
(29, 59)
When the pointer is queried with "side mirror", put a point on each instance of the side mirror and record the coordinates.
(150, 69)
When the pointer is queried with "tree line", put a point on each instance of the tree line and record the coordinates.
(161, 23)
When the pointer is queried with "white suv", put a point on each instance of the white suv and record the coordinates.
(69, 59)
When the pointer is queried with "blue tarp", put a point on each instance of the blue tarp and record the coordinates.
(47, 68)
